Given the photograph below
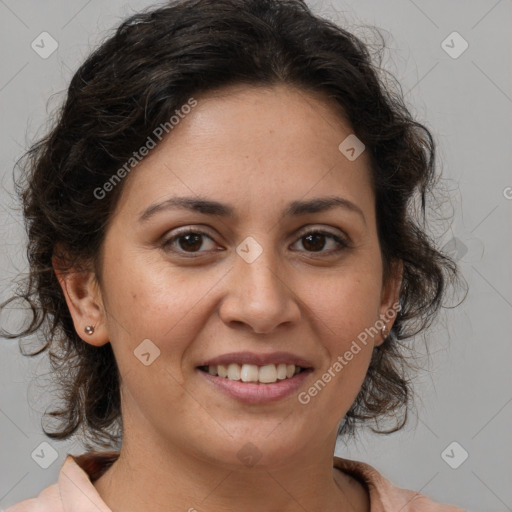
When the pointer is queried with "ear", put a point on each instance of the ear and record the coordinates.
(390, 298)
(83, 297)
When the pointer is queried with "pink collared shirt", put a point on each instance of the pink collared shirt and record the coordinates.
(74, 491)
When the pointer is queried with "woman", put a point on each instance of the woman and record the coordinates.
(223, 248)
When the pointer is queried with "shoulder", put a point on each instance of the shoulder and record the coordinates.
(74, 487)
(48, 500)
(386, 497)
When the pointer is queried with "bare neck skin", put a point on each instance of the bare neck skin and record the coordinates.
(149, 476)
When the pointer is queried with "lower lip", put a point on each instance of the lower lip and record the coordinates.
(256, 393)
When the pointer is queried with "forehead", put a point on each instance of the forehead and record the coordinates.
(254, 146)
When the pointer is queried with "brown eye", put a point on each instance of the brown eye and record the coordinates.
(316, 241)
(189, 241)
(192, 241)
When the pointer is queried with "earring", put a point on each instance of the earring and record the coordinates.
(89, 329)
(384, 332)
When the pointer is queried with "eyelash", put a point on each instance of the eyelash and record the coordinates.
(342, 242)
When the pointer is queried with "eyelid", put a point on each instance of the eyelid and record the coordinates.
(311, 228)
(341, 239)
(326, 231)
(179, 232)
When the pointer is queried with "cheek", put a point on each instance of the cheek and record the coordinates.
(344, 311)
(346, 305)
(167, 306)
(145, 295)
(339, 381)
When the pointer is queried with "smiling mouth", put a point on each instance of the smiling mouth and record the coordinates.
(265, 374)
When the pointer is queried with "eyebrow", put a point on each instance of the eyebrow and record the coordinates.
(210, 207)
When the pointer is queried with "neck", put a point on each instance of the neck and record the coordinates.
(149, 476)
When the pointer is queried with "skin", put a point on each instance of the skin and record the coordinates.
(257, 149)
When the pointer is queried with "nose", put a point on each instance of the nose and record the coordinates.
(260, 296)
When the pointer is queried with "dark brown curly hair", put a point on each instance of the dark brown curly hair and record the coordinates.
(133, 82)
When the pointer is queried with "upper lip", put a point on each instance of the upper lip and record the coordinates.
(258, 359)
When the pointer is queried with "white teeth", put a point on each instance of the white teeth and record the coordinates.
(266, 374)
(249, 373)
(281, 371)
(234, 372)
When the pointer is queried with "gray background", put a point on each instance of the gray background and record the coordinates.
(465, 389)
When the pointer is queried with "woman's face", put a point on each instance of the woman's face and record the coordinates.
(247, 281)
